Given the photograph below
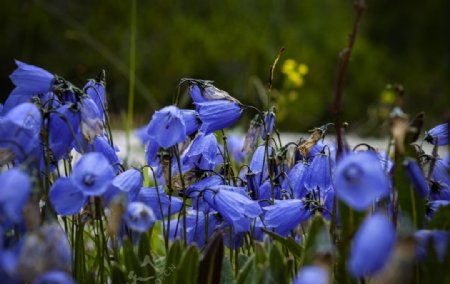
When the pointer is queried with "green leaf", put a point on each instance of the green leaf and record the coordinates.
(260, 253)
(248, 272)
(117, 275)
(288, 243)
(317, 225)
(79, 263)
(188, 267)
(211, 264)
(441, 219)
(131, 260)
(172, 260)
(278, 266)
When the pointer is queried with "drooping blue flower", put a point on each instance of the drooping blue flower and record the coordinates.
(95, 89)
(100, 144)
(31, 78)
(54, 277)
(159, 202)
(218, 114)
(167, 127)
(196, 94)
(438, 135)
(440, 173)
(269, 122)
(285, 215)
(194, 191)
(258, 164)
(45, 250)
(151, 153)
(360, 180)
(415, 175)
(14, 192)
(142, 135)
(139, 217)
(265, 191)
(433, 207)
(127, 183)
(91, 119)
(372, 246)
(205, 91)
(191, 120)
(318, 174)
(92, 174)
(202, 152)
(235, 147)
(19, 132)
(234, 207)
(294, 184)
(311, 274)
(66, 198)
(439, 239)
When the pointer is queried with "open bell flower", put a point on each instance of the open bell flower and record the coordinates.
(31, 78)
(311, 274)
(372, 246)
(286, 215)
(360, 180)
(202, 152)
(438, 135)
(159, 202)
(14, 192)
(218, 114)
(415, 175)
(167, 127)
(139, 217)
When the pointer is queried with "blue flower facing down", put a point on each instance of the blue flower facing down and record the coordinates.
(191, 120)
(96, 91)
(318, 174)
(294, 184)
(14, 191)
(269, 122)
(67, 198)
(92, 174)
(438, 135)
(202, 152)
(286, 215)
(139, 217)
(218, 114)
(167, 127)
(199, 227)
(360, 180)
(127, 183)
(149, 196)
(63, 126)
(312, 274)
(31, 78)
(234, 207)
(415, 175)
(91, 119)
(372, 246)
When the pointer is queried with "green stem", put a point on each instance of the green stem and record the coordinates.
(132, 72)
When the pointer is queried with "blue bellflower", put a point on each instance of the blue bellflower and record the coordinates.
(14, 192)
(217, 115)
(311, 274)
(438, 135)
(269, 123)
(360, 180)
(96, 91)
(139, 217)
(285, 215)
(415, 175)
(149, 196)
(294, 184)
(202, 152)
(194, 191)
(167, 127)
(318, 174)
(191, 120)
(372, 246)
(66, 198)
(127, 183)
(234, 207)
(91, 119)
(31, 78)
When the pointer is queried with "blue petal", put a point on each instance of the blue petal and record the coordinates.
(32, 78)
(128, 182)
(191, 120)
(311, 274)
(63, 125)
(92, 174)
(14, 191)
(295, 182)
(202, 152)
(96, 91)
(360, 180)
(438, 135)
(372, 246)
(286, 215)
(269, 123)
(139, 217)
(219, 114)
(319, 173)
(91, 119)
(415, 175)
(167, 127)
(66, 198)
(149, 196)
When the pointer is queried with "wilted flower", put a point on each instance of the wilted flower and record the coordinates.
(139, 217)
(167, 127)
(252, 135)
(286, 215)
(360, 180)
(438, 135)
(415, 175)
(234, 207)
(14, 192)
(311, 274)
(158, 201)
(216, 115)
(372, 246)
(203, 91)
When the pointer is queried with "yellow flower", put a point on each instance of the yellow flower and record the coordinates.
(296, 79)
(303, 69)
(288, 66)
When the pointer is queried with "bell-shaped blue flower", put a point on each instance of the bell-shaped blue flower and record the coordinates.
(159, 202)
(91, 119)
(101, 144)
(294, 184)
(31, 78)
(441, 173)
(167, 127)
(199, 227)
(415, 175)
(269, 123)
(438, 135)
(235, 147)
(258, 164)
(55, 277)
(63, 126)
(14, 191)
(372, 246)
(234, 207)
(360, 180)
(286, 215)
(217, 115)
(437, 237)
(265, 191)
(194, 191)
(139, 217)
(96, 91)
(319, 173)
(191, 120)
(66, 198)
(127, 183)
(311, 274)
(92, 174)
(151, 153)
(202, 152)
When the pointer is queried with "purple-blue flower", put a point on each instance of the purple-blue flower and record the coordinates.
(415, 175)
(438, 135)
(372, 246)
(202, 152)
(31, 78)
(127, 183)
(286, 215)
(311, 274)
(191, 120)
(318, 174)
(14, 192)
(96, 91)
(294, 184)
(139, 217)
(63, 127)
(218, 114)
(360, 180)
(269, 122)
(159, 202)
(167, 127)
(66, 198)
(91, 119)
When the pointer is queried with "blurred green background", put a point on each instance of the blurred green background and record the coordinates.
(234, 42)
